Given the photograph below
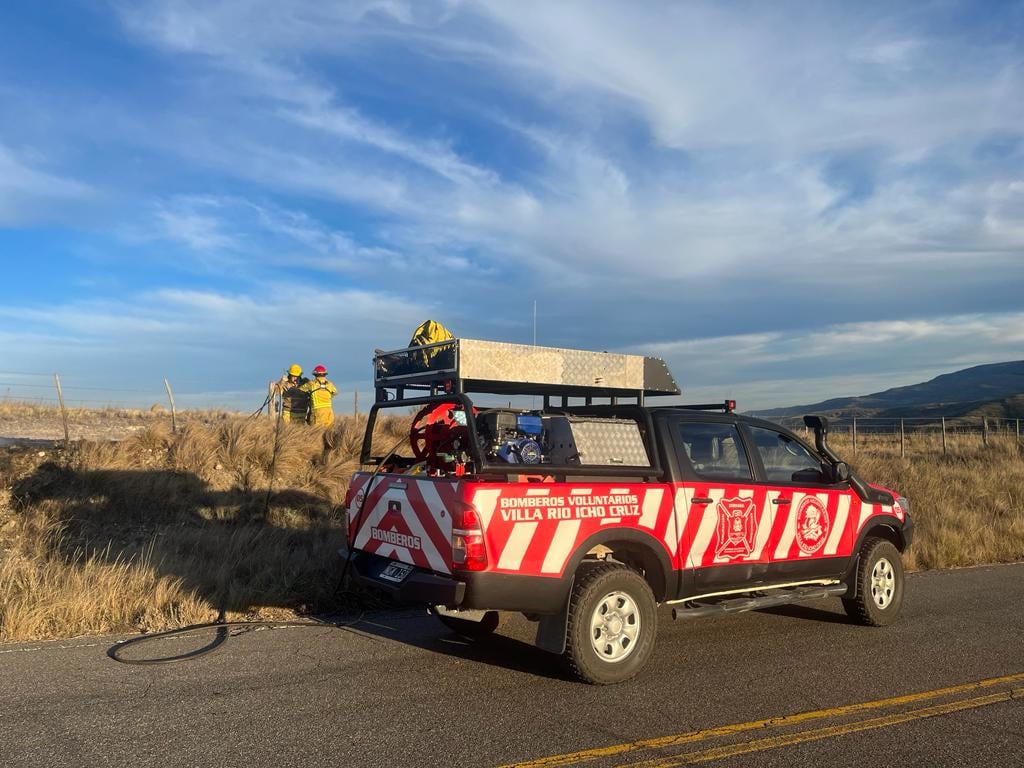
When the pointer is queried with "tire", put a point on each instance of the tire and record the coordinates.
(879, 581)
(612, 624)
(469, 629)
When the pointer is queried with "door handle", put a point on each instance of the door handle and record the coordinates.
(782, 501)
(702, 500)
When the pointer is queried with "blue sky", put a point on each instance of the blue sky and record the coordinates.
(789, 201)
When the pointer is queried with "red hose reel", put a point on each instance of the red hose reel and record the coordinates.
(438, 437)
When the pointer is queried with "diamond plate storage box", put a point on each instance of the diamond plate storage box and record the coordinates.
(499, 367)
(548, 365)
(592, 441)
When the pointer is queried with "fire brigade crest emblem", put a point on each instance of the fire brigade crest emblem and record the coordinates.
(812, 525)
(737, 527)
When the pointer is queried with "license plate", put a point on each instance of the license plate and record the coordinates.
(396, 571)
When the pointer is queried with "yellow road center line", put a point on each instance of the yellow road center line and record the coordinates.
(573, 758)
(792, 739)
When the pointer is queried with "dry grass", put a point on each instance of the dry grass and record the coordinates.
(967, 505)
(159, 529)
(42, 421)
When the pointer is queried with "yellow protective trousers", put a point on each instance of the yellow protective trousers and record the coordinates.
(321, 417)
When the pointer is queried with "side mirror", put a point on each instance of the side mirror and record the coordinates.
(841, 472)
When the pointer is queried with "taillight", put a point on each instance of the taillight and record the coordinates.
(468, 552)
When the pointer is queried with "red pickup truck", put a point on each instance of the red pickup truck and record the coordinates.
(586, 515)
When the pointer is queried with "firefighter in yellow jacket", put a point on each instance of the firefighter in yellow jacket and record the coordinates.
(321, 392)
(294, 401)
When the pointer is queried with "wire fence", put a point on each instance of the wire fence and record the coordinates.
(911, 435)
(44, 406)
(49, 407)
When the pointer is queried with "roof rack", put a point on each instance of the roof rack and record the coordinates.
(462, 366)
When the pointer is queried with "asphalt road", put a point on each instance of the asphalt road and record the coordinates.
(794, 686)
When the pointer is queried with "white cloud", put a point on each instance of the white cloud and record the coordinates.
(26, 190)
(193, 221)
(757, 100)
(891, 53)
(787, 367)
(204, 339)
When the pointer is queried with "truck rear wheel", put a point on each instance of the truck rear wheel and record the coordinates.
(611, 626)
(879, 584)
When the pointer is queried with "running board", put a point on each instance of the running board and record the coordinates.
(740, 604)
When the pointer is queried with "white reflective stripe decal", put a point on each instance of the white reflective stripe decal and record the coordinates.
(671, 538)
(580, 492)
(433, 501)
(537, 491)
(512, 556)
(708, 522)
(650, 507)
(789, 532)
(866, 510)
(374, 517)
(838, 525)
(764, 527)
(399, 553)
(680, 516)
(619, 491)
(485, 502)
(611, 520)
(430, 552)
(561, 546)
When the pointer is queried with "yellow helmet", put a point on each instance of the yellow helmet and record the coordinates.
(295, 370)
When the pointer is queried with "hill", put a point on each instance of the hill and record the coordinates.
(995, 390)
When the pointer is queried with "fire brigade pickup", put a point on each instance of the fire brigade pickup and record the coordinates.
(562, 493)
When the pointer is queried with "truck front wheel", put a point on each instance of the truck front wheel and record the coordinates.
(611, 626)
(879, 583)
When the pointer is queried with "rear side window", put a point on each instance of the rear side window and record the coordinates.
(714, 450)
(782, 455)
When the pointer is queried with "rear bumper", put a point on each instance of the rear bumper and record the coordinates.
(419, 586)
(467, 591)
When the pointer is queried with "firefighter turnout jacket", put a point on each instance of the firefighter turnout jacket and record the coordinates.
(428, 332)
(321, 391)
(294, 398)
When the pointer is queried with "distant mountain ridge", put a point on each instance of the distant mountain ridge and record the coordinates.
(995, 390)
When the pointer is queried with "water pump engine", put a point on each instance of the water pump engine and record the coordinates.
(517, 438)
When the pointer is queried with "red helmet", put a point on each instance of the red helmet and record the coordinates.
(319, 371)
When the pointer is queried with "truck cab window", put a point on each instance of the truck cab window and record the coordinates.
(781, 455)
(714, 450)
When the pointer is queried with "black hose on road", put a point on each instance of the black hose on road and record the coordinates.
(223, 634)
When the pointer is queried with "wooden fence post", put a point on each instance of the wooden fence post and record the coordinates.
(174, 413)
(355, 403)
(1018, 431)
(984, 431)
(854, 435)
(903, 441)
(63, 410)
(270, 399)
(943, 435)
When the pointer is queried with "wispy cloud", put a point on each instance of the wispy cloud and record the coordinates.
(26, 190)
